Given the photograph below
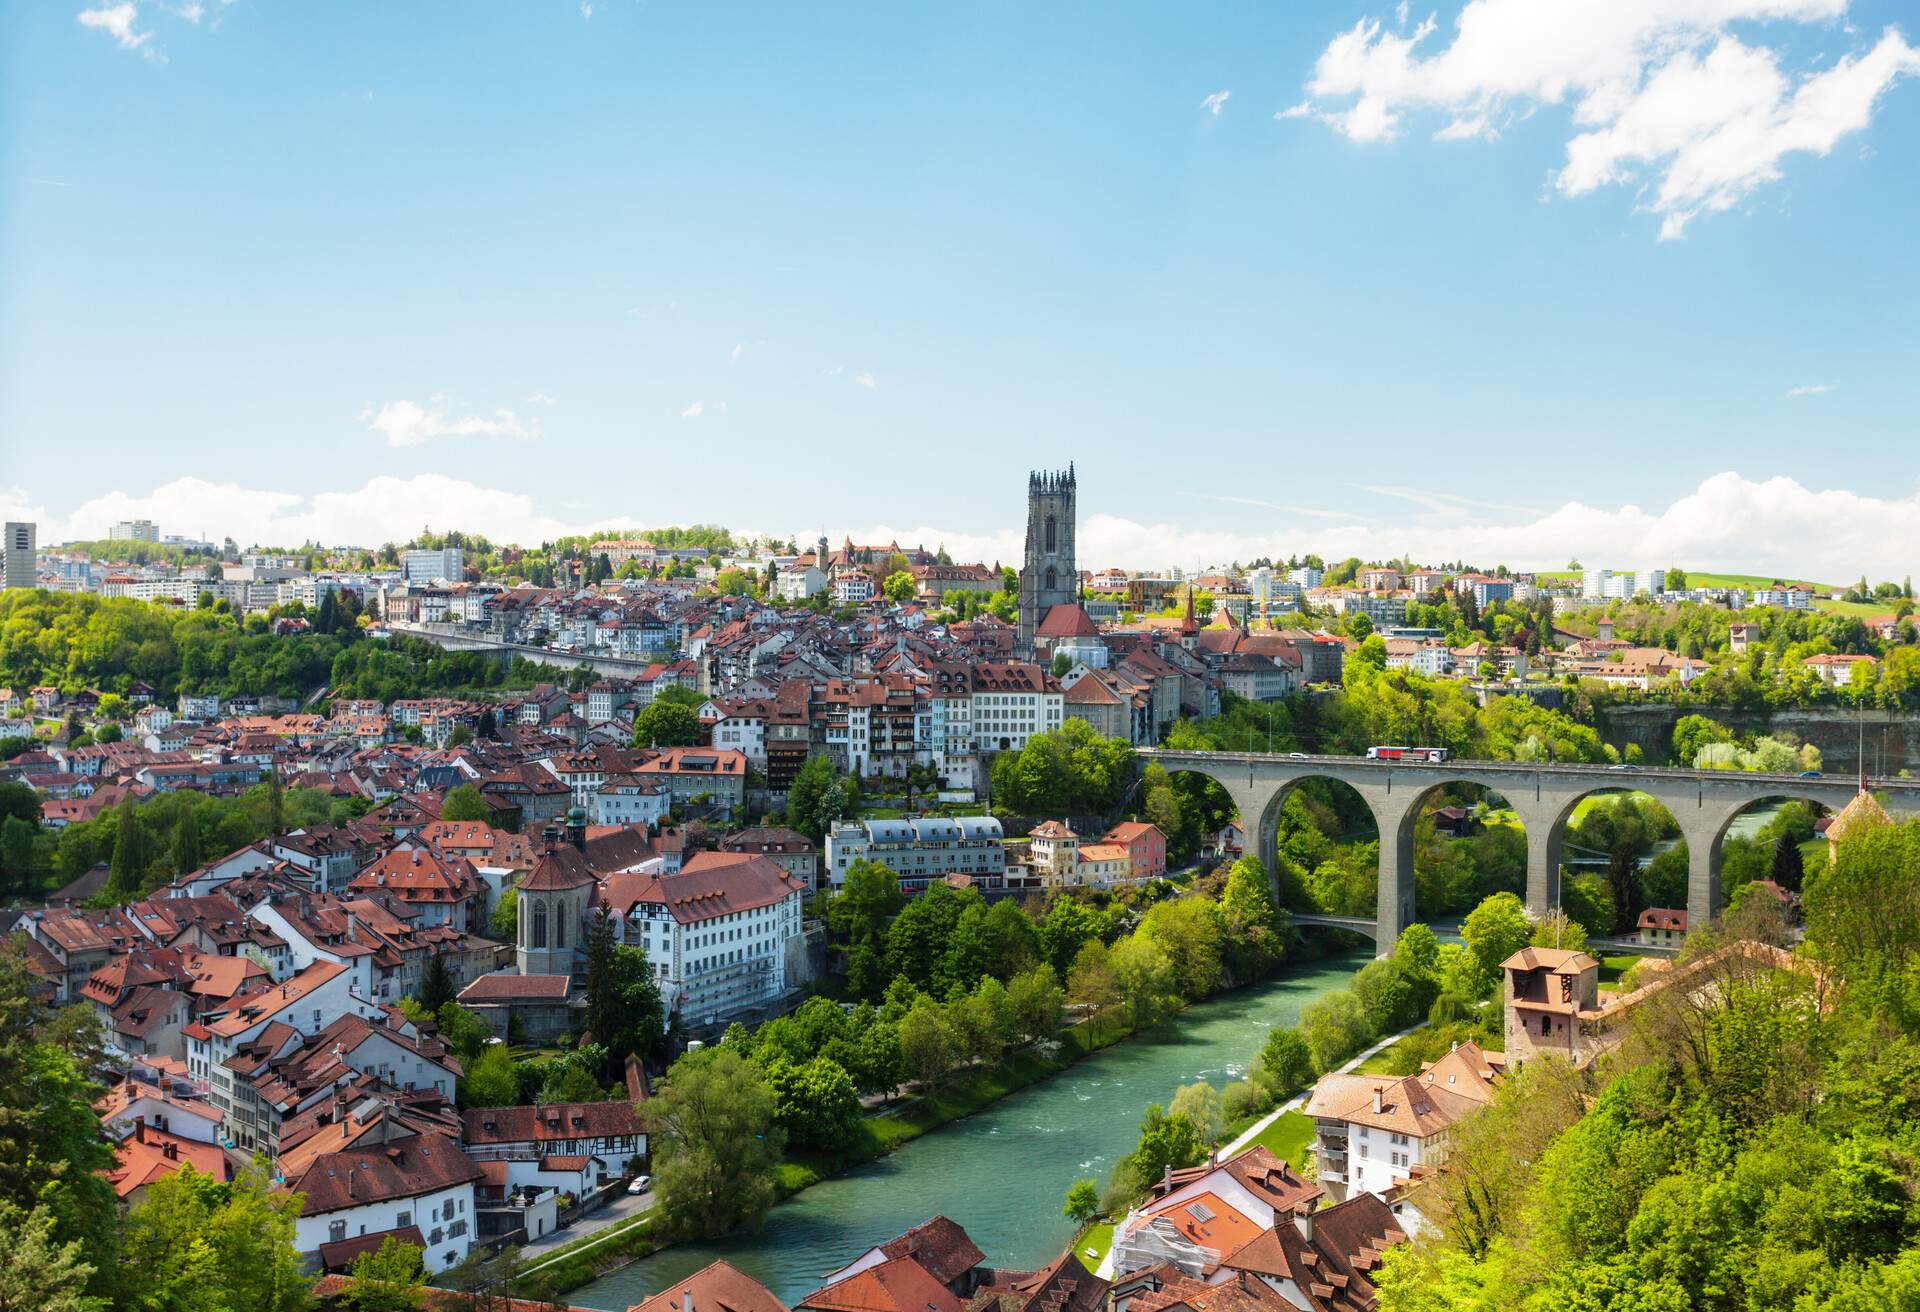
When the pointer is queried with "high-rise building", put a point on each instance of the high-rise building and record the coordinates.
(1047, 576)
(134, 530)
(21, 570)
(1593, 583)
(420, 566)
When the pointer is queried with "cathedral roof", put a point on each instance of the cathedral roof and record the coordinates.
(1067, 620)
(559, 867)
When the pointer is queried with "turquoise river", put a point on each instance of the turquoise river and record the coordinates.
(1003, 1173)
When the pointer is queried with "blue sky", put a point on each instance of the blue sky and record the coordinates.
(352, 269)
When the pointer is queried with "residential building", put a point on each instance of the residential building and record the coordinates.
(1146, 848)
(719, 1286)
(723, 934)
(1196, 1216)
(921, 851)
(446, 565)
(700, 776)
(792, 851)
(134, 530)
(22, 569)
(417, 1187)
(547, 1144)
(1662, 927)
(1373, 1132)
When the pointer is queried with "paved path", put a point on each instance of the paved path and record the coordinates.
(1252, 1132)
(622, 1207)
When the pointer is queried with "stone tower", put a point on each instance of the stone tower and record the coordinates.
(552, 909)
(1048, 576)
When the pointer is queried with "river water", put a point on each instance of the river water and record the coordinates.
(1004, 1172)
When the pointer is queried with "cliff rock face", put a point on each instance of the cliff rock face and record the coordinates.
(1892, 738)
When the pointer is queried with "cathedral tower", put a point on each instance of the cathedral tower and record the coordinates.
(1048, 576)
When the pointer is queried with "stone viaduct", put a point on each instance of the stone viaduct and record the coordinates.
(1704, 802)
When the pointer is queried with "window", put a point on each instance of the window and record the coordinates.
(1052, 532)
(336, 1231)
(539, 925)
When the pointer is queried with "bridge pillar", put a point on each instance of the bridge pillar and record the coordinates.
(1395, 808)
(1543, 865)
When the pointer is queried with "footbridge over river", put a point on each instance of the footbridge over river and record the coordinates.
(1543, 796)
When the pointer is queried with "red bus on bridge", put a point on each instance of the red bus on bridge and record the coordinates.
(1434, 755)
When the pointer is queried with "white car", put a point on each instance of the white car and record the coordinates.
(641, 1183)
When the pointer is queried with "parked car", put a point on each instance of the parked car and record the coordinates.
(1811, 774)
(641, 1183)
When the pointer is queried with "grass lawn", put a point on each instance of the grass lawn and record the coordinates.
(1861, 609)
(1091, 1248)
(1287, 1138)
(1613, 967)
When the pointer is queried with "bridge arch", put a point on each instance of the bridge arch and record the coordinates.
(1404, 838)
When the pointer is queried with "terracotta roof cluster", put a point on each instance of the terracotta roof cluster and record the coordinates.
(407, 1167)
(720, 1287)
(550, 1122)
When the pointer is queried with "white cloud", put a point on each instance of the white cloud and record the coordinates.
(407, 423)
(541, 398)
(738, 349)
(694, 411)
(1825, 534)
(1216, 102)
(192, 11)
(1301, 110)
(384, 509)
(1810, 389)
(586, 10)
(867, 380)
(117, 21)
(1663, 96)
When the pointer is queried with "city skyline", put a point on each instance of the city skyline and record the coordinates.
(1398, 287)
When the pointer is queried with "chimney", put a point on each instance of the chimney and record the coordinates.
(1376, 1099)
(139, 1129)
(1303, 1222)
(686, 1301)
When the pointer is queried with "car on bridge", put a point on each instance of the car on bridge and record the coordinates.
(1433, 755)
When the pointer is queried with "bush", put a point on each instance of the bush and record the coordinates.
(1243, 1099)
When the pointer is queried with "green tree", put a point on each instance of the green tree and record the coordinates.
(625, 1013)
(900, 588)
(868, 898)
(811, 784)
(1037, 1002)
(1067, 926)
(186, 842)
(194, 1242)
(436, 983)
(463, 802)
(1335, 1027)
(929, 1046)
(493, 1079)
(1143, 976)
(667, 724)
(1495, 930)
(1200, 1105)
(389, 1279)
(37, 1272)
(717, 1143)
(127, 870)
(1284, 1065)
(504, 920)
(465, 1032)
(1083, 1203)
(1192, 932)
(817, 1103)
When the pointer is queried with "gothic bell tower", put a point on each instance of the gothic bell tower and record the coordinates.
(1048, 576)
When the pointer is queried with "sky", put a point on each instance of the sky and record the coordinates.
(1508, 281)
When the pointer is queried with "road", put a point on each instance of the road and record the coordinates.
(623, 1207)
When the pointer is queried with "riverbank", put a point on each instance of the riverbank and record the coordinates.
(572, 1265)
(1003, 1169)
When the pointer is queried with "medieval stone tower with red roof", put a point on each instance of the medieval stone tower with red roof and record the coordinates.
(1048, 576)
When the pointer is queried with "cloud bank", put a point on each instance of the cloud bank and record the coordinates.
(1666, 97)
(1728, 523)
